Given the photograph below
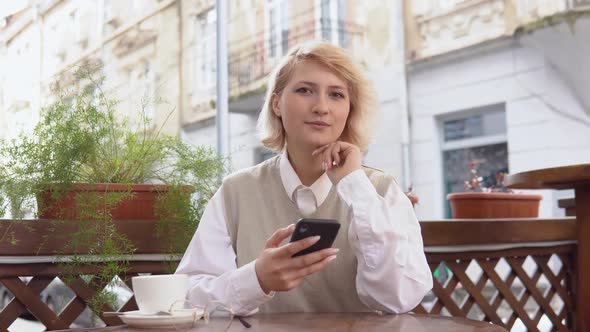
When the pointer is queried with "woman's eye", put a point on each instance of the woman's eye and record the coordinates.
(303, 90)
(338, 95)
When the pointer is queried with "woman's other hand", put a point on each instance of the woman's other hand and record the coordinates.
(339, 159)
(277, 270)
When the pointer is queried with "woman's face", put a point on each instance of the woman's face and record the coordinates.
(313, 107)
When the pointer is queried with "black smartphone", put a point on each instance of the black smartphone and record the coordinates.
(327, 229)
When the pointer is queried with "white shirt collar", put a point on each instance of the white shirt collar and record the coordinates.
(320, 188)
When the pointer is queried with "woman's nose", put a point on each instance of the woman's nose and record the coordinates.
(321, 106)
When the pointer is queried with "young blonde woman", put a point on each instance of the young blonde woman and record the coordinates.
(316, 114)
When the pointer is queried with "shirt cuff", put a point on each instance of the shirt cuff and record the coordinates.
(378, 226)
(356, 187)
(249, 294)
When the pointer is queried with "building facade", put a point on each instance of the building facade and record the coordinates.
(167, 49)
(500, 83)
(44, 43)
(496, 82)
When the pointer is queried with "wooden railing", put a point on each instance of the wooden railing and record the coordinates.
(501, 271)
(26, 294)
(34, 249)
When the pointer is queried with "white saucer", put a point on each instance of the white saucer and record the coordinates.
(179, 318)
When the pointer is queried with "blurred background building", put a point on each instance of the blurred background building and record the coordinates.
(501, 82)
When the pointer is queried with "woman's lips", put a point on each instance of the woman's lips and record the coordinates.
(317, 124)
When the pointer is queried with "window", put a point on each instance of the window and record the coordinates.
(326, 20)
(143, 89)
(341, 21)
(277, 13)
(59, 41)
(75, 25)
(478, 136)
(93, 91)
(74, 19)
(206, 50)
(331, 21)
(284, 27)
(148, 86)
(488, 124)
(107, 6)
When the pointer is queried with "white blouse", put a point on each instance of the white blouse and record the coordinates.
(379, 226)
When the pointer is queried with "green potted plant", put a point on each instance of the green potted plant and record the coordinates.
(88, 174)
(496, 201)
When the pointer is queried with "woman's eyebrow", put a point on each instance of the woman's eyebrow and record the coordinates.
(315, 85)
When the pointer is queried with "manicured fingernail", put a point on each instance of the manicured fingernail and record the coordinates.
(334, 250)
(331, 258)
(314, 238)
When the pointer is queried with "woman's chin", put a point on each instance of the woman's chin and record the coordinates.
(315, 142)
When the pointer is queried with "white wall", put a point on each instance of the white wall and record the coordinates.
(385, 151)
(538, 134)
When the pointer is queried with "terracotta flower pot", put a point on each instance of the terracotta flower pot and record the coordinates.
(472, 205)
(46, 237)
(138, 206)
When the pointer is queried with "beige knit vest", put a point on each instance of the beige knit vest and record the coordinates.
(257, 205)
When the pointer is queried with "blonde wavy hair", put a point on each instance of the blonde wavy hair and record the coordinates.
(363, 104)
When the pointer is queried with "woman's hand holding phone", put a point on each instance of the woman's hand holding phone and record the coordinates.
(278, 270)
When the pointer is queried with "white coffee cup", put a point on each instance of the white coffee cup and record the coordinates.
(155, 293)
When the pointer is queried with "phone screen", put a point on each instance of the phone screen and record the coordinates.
(327, 229)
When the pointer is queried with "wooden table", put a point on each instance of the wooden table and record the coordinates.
(575, 177)
(328, 322)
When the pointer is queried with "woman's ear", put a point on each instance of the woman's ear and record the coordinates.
(275, 105)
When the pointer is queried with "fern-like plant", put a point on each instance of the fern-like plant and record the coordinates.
(81, 139)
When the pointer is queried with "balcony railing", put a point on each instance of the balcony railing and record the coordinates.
(248, 63)
(494, 270)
